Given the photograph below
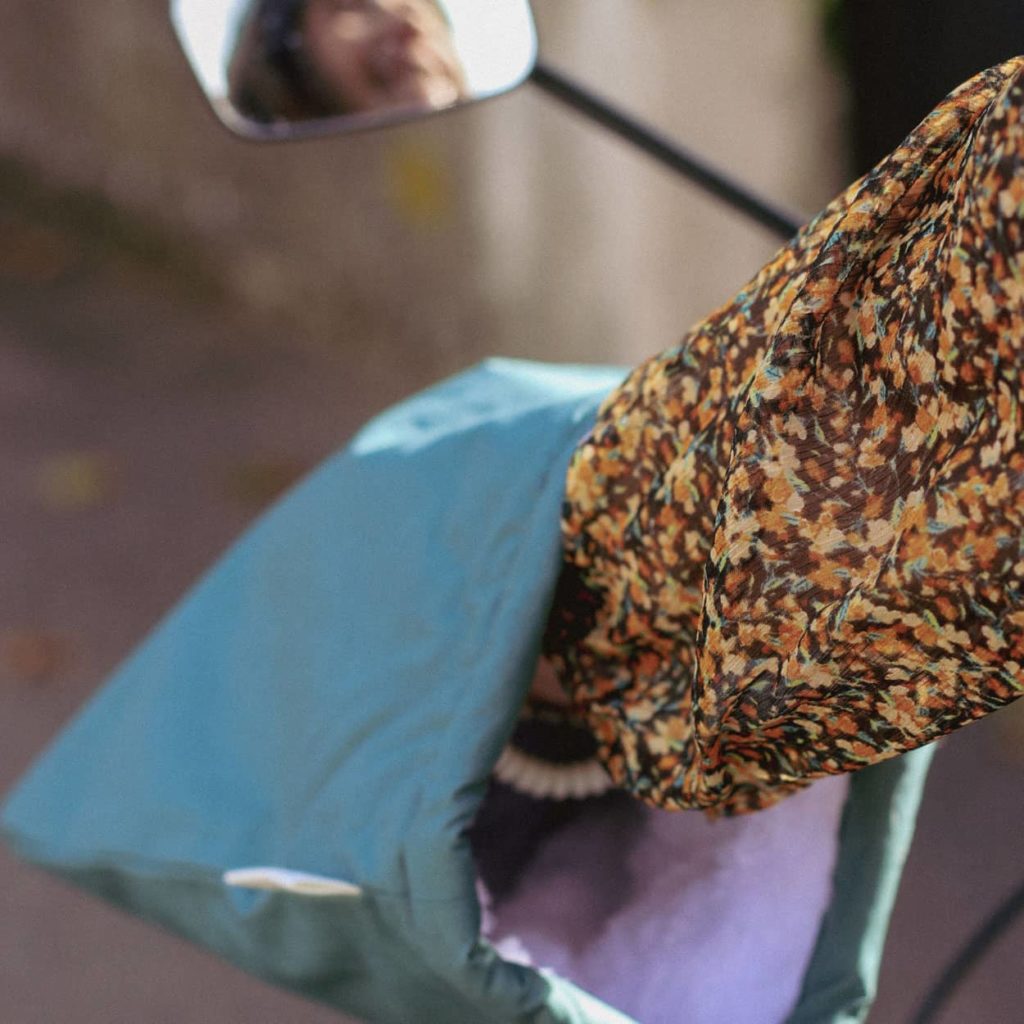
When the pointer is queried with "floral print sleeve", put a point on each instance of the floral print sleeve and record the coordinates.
(794, 544)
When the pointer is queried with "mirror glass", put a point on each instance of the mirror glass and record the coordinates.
(278, 69)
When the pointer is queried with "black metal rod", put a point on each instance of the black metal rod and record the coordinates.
(663, 149)
(973, 949)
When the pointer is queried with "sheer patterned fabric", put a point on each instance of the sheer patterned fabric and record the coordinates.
(794, 544)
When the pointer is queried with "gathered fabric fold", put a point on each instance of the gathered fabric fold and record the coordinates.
(794, 543)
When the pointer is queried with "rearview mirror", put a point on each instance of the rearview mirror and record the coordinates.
(280, 69)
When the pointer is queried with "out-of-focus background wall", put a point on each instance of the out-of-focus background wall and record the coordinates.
(512, 227)
(188, 321)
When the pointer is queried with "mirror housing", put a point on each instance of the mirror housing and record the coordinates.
(284, 69)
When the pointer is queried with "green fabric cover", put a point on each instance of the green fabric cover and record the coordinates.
(330, 698)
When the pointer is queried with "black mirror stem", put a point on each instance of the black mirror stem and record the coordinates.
(663, 149)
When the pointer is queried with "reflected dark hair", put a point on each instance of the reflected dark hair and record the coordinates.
(269, 77)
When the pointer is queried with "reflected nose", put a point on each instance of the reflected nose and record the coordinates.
(405, 31)
(401, 25)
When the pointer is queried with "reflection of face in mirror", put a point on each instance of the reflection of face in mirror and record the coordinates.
(386, 53)
(306, 59)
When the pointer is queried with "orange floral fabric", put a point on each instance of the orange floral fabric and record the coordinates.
(794, 544)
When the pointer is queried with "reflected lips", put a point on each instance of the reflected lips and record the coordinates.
(392, 61)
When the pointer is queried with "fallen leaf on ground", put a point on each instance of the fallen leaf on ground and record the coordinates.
(34, 254)
(33, 655)
(75, 480)
(421, 185)
(259, 481)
